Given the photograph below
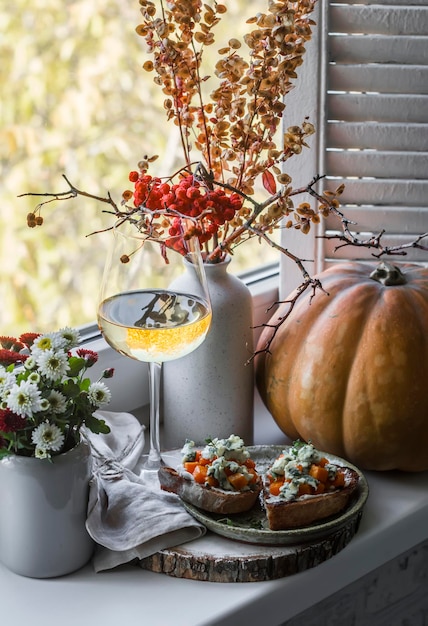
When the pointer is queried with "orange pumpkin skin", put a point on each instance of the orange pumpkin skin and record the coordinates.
(349, 370)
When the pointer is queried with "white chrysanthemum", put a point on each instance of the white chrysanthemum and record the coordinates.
(24, 399)
(57, 402)
(71, 337)
(34, 377)
(47, 342)
(99, 393)
(41, 453)
(53, 364)
(44, 404)
(47, 437)
(7, 380)
(30, 363)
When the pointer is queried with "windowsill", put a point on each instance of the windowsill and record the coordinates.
(393, 522)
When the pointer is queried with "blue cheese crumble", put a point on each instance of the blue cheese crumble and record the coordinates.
(293, 465)
(226, 456)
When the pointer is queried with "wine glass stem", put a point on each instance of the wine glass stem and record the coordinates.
(155, 370)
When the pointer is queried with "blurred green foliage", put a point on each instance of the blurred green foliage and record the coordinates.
(75, 101)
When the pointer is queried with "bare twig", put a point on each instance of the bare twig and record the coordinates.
(308, 283)
(70, 194)
(374, 242)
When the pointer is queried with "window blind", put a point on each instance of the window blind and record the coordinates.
(375, 130)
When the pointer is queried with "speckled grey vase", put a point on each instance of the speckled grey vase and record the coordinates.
(209, 393)
(43, 513)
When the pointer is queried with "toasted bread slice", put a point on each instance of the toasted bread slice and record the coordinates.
(212, 499)
(307, 509)
(219, 478)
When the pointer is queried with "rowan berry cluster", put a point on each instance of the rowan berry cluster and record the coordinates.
(208, 209)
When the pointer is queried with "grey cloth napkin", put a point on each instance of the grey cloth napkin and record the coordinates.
(129, 516)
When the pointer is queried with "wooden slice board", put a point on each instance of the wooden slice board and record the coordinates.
(218, 559)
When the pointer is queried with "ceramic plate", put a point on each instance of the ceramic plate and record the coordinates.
(251, 527)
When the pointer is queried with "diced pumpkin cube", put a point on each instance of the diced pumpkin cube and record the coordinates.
(305, 489)
(250, 463)
(253, 473)
(275, 487)
(339, 480)
(211, 481)
(318, 472)
(190, 466)
(320, 488)
(238, 481)
(200, 474)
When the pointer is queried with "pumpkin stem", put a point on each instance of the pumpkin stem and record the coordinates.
(388, 274)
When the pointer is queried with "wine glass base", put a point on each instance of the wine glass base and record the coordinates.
(148, 464)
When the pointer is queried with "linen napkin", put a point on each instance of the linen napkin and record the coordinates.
(129, 516)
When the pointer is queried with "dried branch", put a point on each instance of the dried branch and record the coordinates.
(308, 283)
(35, 218)
(375, 242)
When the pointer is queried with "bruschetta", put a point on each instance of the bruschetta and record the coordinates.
(219, 478)
(302, 487)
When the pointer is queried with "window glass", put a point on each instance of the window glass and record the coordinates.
(76, 101)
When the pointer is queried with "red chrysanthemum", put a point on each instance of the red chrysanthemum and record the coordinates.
(10, 422)
(11, 343)
(29, 338)
(90, 356)
(8, 357)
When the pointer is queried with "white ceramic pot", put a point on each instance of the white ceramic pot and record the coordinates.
(209, 393)
(43, 513)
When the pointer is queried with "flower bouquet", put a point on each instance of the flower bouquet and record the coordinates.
(230, 119)
(45, 397)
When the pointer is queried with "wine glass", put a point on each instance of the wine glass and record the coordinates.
(142, 316)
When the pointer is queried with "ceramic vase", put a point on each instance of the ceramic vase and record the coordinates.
(43, 513)
(210, 392)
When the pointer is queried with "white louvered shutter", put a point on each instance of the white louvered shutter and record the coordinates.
(372, 120)
(376, 107)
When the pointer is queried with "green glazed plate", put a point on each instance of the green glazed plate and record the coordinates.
(251, 527)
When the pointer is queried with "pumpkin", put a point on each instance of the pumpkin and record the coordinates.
(348, 369)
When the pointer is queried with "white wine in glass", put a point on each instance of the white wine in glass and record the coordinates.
(142, 317)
